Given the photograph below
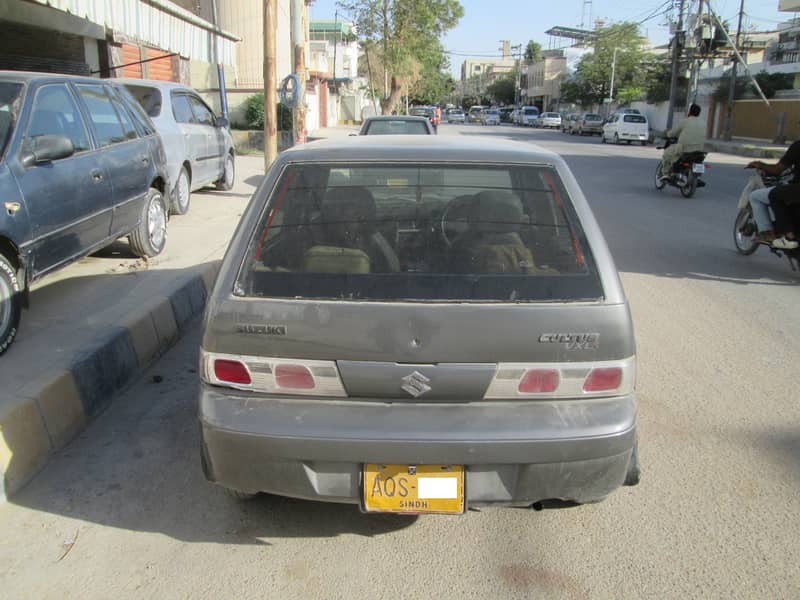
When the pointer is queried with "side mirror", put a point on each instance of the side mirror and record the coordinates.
(221, 122)
(46, 148)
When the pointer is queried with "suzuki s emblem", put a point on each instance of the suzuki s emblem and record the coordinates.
(416, 384)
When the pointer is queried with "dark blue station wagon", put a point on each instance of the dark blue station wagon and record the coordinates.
(80, 166)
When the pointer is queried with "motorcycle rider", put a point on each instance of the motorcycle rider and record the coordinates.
(691, 134)
(778, 197)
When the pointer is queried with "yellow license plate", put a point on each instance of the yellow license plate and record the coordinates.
(413, 488)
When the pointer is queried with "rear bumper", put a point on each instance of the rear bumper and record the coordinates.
(515, 453)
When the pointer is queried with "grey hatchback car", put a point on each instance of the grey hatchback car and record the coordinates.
(419, 325)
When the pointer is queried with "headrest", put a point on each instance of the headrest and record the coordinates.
(496, 211)
(348, 204)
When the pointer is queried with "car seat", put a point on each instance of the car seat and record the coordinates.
(492, 243)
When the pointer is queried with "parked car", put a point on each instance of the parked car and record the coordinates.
(425, 111)
(396, 125)
(455, 115)
(505, 114)
(474, 114)
(80, 166)
(340, 358)
(550, 120)
(528, 115)
(490, 116)
(626, 127)
(199, 147)
(590, 123)
(567, 121)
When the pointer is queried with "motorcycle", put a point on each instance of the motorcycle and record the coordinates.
(686, 174)
(745, 228)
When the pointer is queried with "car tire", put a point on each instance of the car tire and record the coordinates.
(644, 143)
(183, 194)
(150, 236)
(10, 303)
(659, 183)
(616, 139)
(688, 188)
(228, 178)
(602, 138)
(239, 496)
(634, 473)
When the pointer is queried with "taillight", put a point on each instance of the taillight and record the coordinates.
(603, 380)
(272, 375)
(562, 380)
(231, 371)
(296, 377)
(539, 381)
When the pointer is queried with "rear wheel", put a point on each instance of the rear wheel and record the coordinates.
(229, 174)
(688, 188)
(744, 232)
(150, 237)
(10, 304)
(616, 138)
(602, 138)
(183, 194)
(660, 183)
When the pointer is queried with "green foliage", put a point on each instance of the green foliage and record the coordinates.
(575, 90)
(593, 74)
(404, 37)
(503, 89)
(772, 82)
(722, 90)
(630, 94)
(532, 52)
(254, 113)
(659, 77)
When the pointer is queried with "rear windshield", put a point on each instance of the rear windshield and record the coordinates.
(148, 97)
(492, 112)
(419, 233)
(593, 118)
(421, 112)
(398, 127)
(635, 119)
(531, 111)
(551, 115)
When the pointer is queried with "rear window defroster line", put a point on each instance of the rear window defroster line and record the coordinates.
(578, 253)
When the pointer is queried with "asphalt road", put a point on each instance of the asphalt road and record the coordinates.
(716, 514)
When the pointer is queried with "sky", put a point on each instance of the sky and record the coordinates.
(486, 22)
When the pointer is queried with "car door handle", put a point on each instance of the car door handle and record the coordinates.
(145, 160)
(97, 176)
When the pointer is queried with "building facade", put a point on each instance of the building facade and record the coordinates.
(544, 79)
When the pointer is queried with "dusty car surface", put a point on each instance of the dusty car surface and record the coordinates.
(80, 166)
(419, 325)
(198, 144)
(397, 125)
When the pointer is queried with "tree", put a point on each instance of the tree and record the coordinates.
(659, 78)
(770, 83)
(722, 90)
(403, 37)
(574, 90)
(532, 52)
(594, 69)
(503, 89)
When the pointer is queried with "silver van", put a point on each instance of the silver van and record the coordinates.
(417, 325)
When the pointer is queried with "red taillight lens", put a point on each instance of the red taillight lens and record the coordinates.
(538, 381)
(295, 377)
(231, 371)
(603, 380)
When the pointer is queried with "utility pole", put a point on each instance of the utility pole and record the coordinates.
(223, 97)
(270, 87)
(728, 130)
(299, 49)
(518, 48)
(677, 48)
(385, 56)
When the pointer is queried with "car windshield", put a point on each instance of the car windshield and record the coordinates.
(593, 118)
(419, 233)
(492, 112)
(531, 111)
(10, 100)
(421, 112)
(149, 98)
(396, 127)
(634, 119)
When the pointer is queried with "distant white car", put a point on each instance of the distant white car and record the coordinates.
(550, 119)
(198, 145)
(455, 115)
(626, 127)
(490, 116)
(528, 115)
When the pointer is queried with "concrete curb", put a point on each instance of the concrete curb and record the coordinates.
(53, 409)
(745, 150)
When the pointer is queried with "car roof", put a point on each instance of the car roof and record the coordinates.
(420, 149)
(396, 118)
(28, 76)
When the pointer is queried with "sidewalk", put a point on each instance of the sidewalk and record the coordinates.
(94, 326)
(753, 148)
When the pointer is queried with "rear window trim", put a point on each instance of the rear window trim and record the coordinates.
(576, 229)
